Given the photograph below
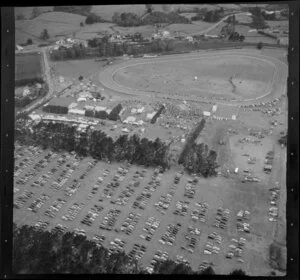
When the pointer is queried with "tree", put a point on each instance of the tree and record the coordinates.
(81, 24)
(258, 22)
(149, 8)
(20, 17)
(80, 78)
(29, 42)
(238, 272)
(259, 45)
(35, 12)
(44, 35)
(208, 271)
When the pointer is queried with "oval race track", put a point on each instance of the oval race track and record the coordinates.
(277, 86)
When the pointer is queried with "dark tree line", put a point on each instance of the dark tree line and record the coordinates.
(197, 158)
(104, 48)
(93, 18)
(153, 17)
(200, 160)
(158, 113)
(80, 10)
(95, 143)
(191, 140)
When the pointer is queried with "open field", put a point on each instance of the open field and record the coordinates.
(57, 24)
(28, 67)
(231, 195)
(174, 81)
(251, 77)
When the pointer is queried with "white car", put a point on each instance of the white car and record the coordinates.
(206, 252)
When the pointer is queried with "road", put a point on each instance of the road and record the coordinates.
(47, 74)
(205, 31)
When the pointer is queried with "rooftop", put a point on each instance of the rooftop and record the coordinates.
(62, 101)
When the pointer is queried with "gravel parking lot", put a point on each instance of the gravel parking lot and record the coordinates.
(146, 213)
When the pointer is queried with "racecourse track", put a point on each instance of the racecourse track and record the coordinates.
(276, 87)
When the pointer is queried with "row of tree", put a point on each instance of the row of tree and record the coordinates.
(79, 10)
(190, 140)
(200, 160)
(131, 19)
(209, 15)
(157, 114)
(197, 158)
(95, 143)
(104, 48)
(49, 252)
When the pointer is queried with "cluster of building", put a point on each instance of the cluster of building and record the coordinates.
(69, 43)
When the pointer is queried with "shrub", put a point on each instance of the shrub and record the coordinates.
(44, 35)
(259, 45)
(93, 18)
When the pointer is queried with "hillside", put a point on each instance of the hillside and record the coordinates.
(57, 23)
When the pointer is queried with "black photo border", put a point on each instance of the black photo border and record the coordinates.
(7, 146)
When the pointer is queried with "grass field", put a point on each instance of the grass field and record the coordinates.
(250, 77)
(57, 24)
(28, 67)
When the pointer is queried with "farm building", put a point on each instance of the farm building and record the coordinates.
(77, 112)
(58, 105)
(206, 114)
(214, 108)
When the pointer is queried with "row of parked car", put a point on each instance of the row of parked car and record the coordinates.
(99, 240)
(150, 227)
(92, 214)
(181, 208)
(169, 236)
(137, 252)
(60, 229)
(28, 155)
(126, 194)
(199, 212)
(159, 256)
(273, 210)
(95, 188)
(41, 225)
(190, 188)
(143, 198)
(110, 219)
(73, 211)
(54, 208)
(37, 203)
(212, 246)
(222, 217)
(242, 217)
(116, 246)
(22, 199)
(236, 249)
(130, 223)
(112, 186)
(32, 172)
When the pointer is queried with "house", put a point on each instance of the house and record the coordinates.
(206, 114)
(190, 38)
(19, 48)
